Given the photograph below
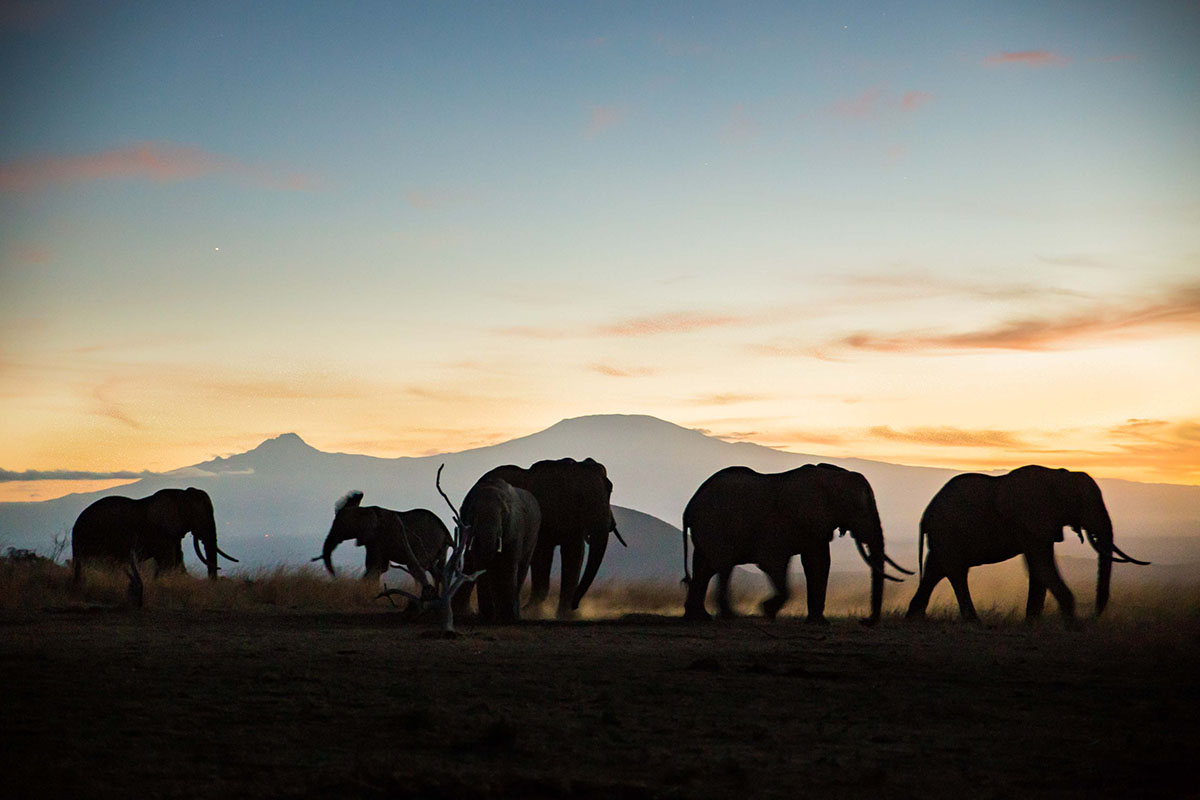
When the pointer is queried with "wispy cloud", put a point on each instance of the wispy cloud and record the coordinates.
(25, 253)
(875, 101)
(603, 118)
(1179, 311)
(1028, 58)
(861, 105)
(1074, 260)
(1170, 447)
(156, 162)
(621, 372)
(726, 399)
(913, 100)
(669, 322)
(916, 283)
(946, 436)
(70, 475)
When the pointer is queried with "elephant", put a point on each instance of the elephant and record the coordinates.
(574, 500)
(983, 519)
(113, 528)
(740, 516)
(414, 540)
(502, 524)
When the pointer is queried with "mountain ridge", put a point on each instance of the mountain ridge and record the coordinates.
(275, 501)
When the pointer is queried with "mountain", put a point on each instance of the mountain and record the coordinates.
(275, 503)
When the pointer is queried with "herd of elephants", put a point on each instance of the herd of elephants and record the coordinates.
(513, 519)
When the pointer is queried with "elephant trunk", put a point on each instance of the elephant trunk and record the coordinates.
(209, 556)
(331, 542)
(1103, 577)
(876, 595)
(596, 549)
(1102, 542)
(875, 558)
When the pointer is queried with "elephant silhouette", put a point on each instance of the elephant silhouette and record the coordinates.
(113, 528)
(982, 519)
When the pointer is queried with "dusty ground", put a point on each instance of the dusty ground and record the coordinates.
(294, 704)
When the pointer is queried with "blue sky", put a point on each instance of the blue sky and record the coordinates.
(905, 231)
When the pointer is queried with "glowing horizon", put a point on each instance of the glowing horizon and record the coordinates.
(967, 241)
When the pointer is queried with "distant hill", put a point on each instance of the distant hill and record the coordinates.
(275, 503)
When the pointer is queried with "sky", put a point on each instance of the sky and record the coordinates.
(949, 234)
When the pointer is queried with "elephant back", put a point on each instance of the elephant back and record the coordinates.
(426, 533)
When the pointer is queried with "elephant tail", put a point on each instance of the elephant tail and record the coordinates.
(687, 576)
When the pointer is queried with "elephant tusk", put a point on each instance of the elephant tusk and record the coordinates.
(617, 533)
(888, 559)
(199, 555)
(1128, 558)
(226, 555)
(316, 558)
(862, 551)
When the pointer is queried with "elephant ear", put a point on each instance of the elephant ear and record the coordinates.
(368, 528)
(1031, 499)
(199, 502)
(163, 513)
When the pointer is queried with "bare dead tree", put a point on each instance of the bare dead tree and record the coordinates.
(453, 576)
(62, 540)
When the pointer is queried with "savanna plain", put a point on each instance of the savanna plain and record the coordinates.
(288, 684)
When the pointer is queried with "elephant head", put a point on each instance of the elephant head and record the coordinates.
(855, 512)
(1043, 501)
(346, 525)
(483, 524)
(184, 512)
(597, 543)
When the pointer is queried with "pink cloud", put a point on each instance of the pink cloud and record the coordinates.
(877, 100)
(1029, 58)
(859, 106)
(1180, 311)
(671, 322)
(30, 254)
(667, 322)
(158, 162)
(912, 100)
(602, 118)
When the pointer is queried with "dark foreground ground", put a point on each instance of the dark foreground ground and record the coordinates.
(235, 704)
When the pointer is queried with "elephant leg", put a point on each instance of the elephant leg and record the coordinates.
(931, 576)
(777, 572)
(507, 600)
(816, 581)
(487, 607)
(702, 573)
(966, 608)
(1045, 571)
(1037, 596)
(572, 566)
(724, 607)
(543, 559)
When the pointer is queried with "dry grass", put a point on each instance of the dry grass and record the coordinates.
(999, 596)
(33, 586)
